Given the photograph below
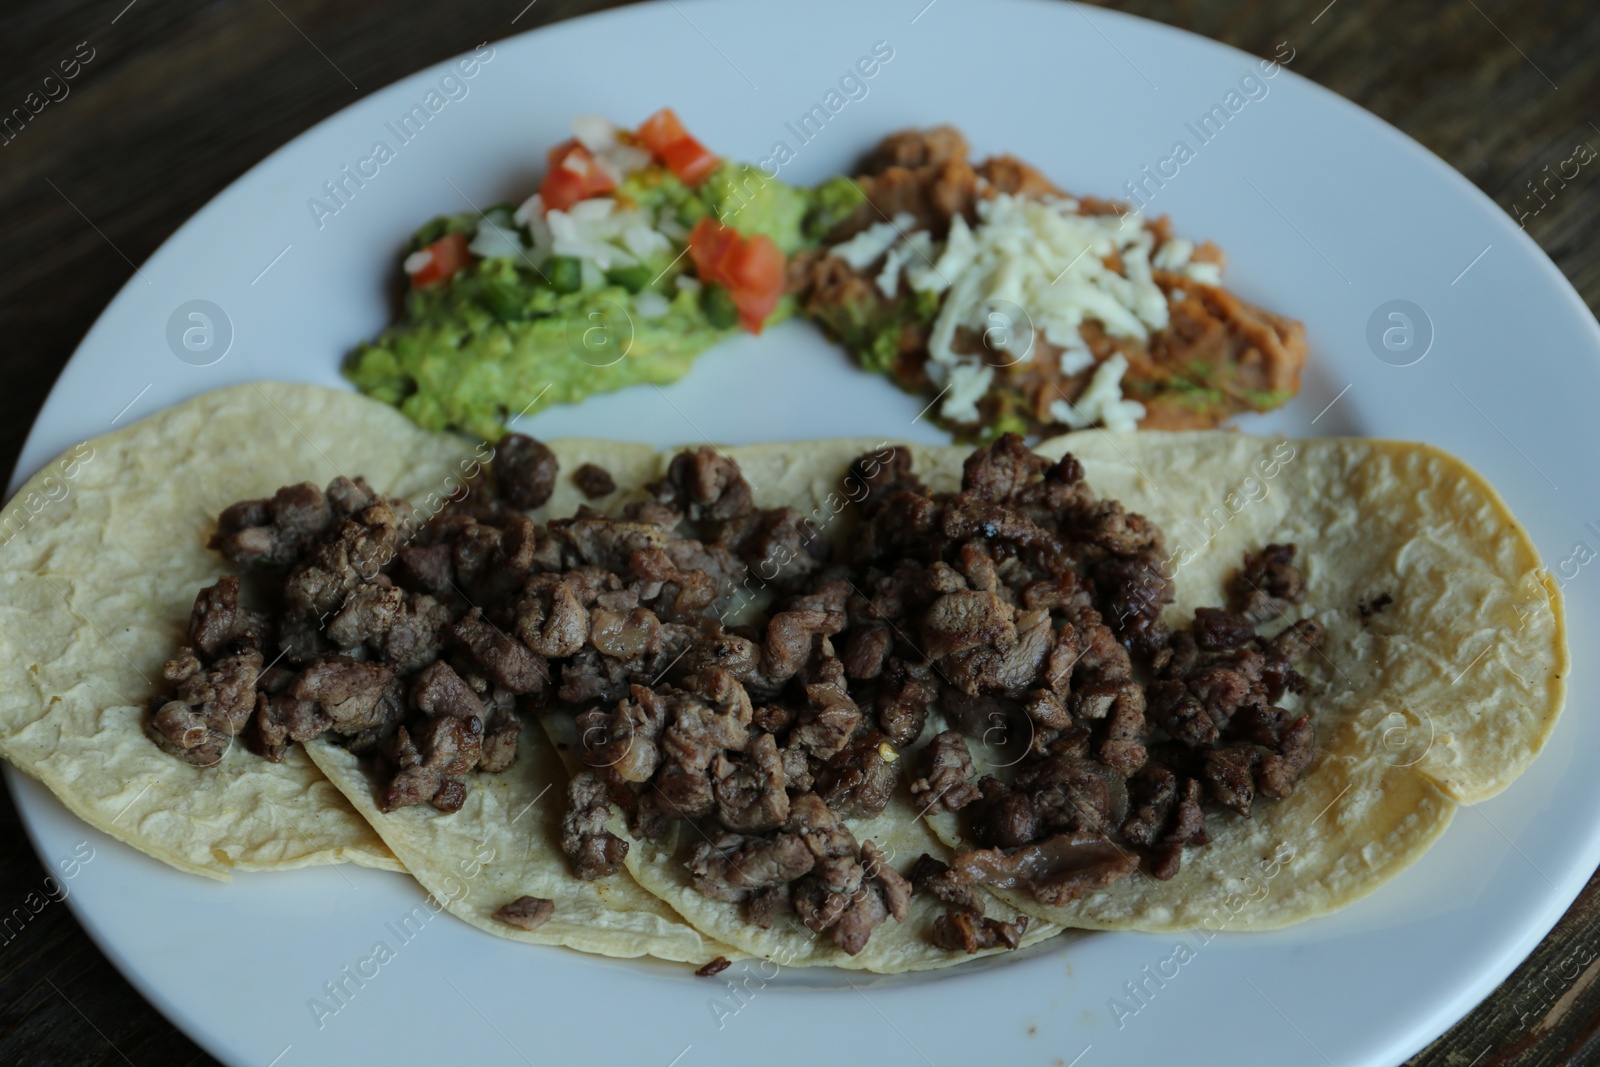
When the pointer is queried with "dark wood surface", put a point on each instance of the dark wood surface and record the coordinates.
(180, 98)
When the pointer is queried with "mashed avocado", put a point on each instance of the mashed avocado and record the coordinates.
(513, 333)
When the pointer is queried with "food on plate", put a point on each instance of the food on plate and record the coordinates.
(1439, 698)
(854, 703)
(95, 595)
(640, 250)
(1021, 308)
(1015, 306)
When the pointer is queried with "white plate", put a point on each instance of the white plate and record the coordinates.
(1327, 213)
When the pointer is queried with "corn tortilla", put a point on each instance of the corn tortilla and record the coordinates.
(1441, 698)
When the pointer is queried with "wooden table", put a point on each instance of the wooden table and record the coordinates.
(175, 100)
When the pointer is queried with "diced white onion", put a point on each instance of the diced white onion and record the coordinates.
(417, 261)
(594, 132)
(650, 304)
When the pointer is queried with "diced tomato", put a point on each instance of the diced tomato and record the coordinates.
(709, 244)
(754, 264)
(750, 268)
(661, 129)
(574, 174)
(445, 256)
(690, 160)
(686, 157)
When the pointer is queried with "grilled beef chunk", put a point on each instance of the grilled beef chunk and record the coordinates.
(525, 470)
(526, 913)
(594, 481)
(969, 932)
(594, 851)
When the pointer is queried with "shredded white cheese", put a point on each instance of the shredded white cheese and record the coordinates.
(1061, 267)
(1102, 401)
(862, 250)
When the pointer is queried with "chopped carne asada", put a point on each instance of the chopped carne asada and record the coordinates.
(1019, 608)
(1029, 604)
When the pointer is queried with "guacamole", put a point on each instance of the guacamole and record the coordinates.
(515, 332)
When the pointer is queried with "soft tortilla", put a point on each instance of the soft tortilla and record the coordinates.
(107, 550)
(1442, 698)
(505, 843)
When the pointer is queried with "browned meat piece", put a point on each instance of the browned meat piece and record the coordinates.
(858, 780)
(1120, 746)
(500, 745)
(895, 886)
(274, 531)
(355, 553)
(1075, 795)
(1133, 591)
(792, 637)
(526, 913)
(415, 637)
(1188, 827)
(1003, 817)
(551, 618)
(1228, 682)
(704, 485)
(594, 481)
(218, 624)
(946, 780)
(1009, 669)
(504, 658)
(735, 867)
(442, 748)
(430, 568)
(591, 677)
(1267, 581)
(749, 788)
(903, 709)
(932, 876)
(777, 544)
(682, 792)
(1173, 708)
(866, 650)
(699, 730)
(281, 719)
(827, 723)
(1217, 630)
(439, 690)
(713, 968)
(1056, 870)
(1229, 776)
(594, 851)
(1002, 469)
(209, 707)
(1294, 641)
(625, 635)
(966, 620)
(367, 612)
(881, 473)
(969, 932)
(525, 470)
(1151, 794)
(1280, 770)
(349, 691)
